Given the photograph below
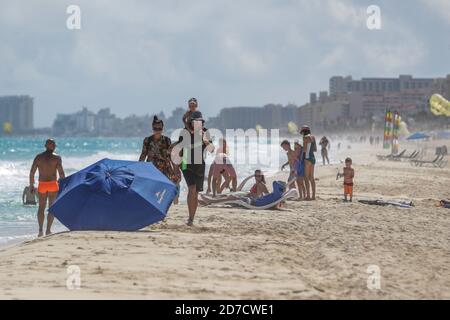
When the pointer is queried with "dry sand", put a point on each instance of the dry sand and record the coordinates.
(308, 250)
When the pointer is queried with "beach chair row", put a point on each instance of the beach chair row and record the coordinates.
(438, 162)
(400, 157)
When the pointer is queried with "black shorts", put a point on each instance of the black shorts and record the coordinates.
(195, 177)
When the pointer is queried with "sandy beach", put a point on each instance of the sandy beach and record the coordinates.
(307, 250)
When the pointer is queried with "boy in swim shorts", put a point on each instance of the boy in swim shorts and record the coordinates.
(349, 174)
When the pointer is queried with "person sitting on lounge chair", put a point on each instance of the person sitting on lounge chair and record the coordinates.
(259, 188)
(268, 201)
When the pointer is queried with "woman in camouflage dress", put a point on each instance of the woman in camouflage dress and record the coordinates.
(156, 149)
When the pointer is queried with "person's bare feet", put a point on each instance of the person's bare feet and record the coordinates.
(47, 233)
(40, 234)
(190, 222)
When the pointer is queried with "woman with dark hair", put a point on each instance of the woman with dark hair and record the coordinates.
(309, 148)
(156, 149)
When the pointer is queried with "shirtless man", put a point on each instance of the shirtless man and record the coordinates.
(292, 158)
(48, 163)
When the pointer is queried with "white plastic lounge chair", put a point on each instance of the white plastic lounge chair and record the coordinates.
(219, 197)
(290, 194)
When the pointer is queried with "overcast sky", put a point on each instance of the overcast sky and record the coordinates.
(145, 56)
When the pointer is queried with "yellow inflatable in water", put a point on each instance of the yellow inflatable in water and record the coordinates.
(439, 106)
(293, 128)
(7, 127)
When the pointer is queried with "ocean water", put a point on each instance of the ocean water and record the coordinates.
(18, 222)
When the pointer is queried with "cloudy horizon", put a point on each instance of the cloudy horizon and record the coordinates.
(146, 56)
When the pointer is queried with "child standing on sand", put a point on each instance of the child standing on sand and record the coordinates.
(348, 174)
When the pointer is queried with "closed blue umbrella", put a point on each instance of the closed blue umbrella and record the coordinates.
(114, 195)
(418, 136)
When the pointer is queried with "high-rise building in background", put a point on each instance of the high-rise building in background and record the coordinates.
(349, 103)
(442, 86)
(405, 94)
(269, 117)
(361, 102)
(17, 113)
(103, 123)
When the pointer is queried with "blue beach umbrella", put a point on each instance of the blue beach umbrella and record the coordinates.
(114, 195)
(418, 136)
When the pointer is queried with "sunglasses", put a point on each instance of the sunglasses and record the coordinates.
(157, 129)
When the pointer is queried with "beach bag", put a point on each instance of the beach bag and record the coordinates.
(300, 167)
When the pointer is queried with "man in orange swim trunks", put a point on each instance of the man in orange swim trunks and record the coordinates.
(48, 163)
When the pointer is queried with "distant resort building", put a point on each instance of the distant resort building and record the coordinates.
(103, 123)
(269, 116)
(16, 114)
(348, 104)
(359, 102)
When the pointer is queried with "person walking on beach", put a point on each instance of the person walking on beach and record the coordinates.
(48, 163)
(309, 148)
(348, 174)
(192, 105)
(156, 149)
(324, 144)
(194, 141)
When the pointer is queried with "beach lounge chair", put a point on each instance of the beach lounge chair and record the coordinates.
(264, 203)
(412, 156)
(391, 156)
(443, 163)
(438, 162)
(239, 195)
